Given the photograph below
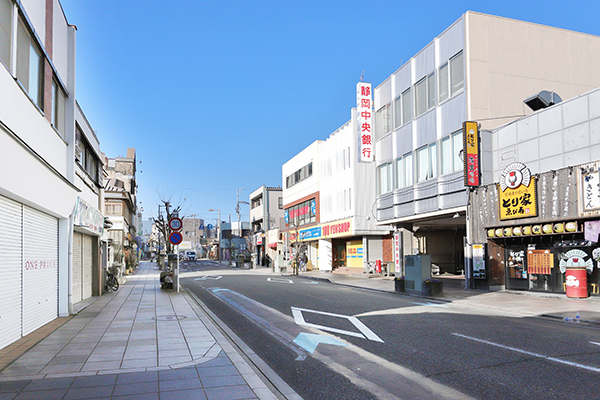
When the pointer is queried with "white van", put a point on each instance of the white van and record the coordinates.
(191, 255)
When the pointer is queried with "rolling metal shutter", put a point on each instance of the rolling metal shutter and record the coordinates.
(87, 267)
(77, 267)
(40, 269)
(10, 265)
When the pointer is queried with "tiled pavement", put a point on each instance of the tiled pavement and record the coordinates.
(138, 343)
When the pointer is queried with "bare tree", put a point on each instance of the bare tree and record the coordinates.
(162, 224)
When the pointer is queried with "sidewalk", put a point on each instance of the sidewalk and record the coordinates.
(520, 303)
(139, 342)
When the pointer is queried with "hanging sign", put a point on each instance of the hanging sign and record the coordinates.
(517, 195)
(471, 153)
(397, 252)
(365, 125)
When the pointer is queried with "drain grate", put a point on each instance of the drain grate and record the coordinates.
(169, 317)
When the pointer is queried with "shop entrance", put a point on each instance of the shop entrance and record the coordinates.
(339, 254)
(497, 265)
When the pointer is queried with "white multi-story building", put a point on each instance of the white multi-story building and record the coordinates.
(87, 274)
(481, 69)
(328, 198)
(38, 187)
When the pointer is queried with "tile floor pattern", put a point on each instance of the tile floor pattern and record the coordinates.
(217, 379)
(137, 343)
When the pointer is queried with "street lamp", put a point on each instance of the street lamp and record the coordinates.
(214, 209)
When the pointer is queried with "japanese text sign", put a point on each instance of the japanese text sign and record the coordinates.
(589, 189)
(520, 202)
(364, 105)
(471, 153)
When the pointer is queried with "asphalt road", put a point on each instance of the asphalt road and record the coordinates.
(334, 342)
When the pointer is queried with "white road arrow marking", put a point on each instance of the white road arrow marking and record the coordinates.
(310, 341)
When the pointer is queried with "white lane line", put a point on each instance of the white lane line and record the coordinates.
(529, 353)
(278, 280)
(430, 304)
(596, 343)
(208, 278)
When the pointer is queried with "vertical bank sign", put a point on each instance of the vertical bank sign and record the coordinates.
(365, 126)
(471, 153)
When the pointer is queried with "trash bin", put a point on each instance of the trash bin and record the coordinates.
(576, 282)
(378, 266)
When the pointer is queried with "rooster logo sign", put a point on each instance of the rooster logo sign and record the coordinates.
(514, 175)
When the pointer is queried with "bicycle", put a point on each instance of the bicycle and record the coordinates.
(112, 284)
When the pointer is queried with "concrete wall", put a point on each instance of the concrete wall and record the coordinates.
(563, 135)
(510, 60)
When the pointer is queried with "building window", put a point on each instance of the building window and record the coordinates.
(58, 113)
(404, 168)
(85, 156)
(5, 31)
(256, 202)
(280, 202)
(451, 146)
(302, 214)
(384, 178)
(299, 176)
(443, 82)
(424, 95)
(426, 162)
(383, 119)
(402, 109)
(29, 65)
(457, 76)
(114, 209)
(451, 79)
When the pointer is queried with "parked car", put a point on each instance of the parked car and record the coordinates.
(191, 255)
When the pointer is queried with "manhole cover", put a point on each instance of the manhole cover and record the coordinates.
(169, 317)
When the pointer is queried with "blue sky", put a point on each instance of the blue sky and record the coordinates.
(216, 96)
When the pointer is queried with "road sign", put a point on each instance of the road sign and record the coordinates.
(175, 238)
(209, 226)
(175, 224)
(201, 226)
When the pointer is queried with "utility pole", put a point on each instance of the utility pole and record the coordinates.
(237, 210)
(219, 210)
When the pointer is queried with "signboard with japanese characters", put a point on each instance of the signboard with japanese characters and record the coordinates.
(517, 195)
(88, 217)
(478, 261)
(364, 105)
(471, 153)
(589, 189)
(397, 252)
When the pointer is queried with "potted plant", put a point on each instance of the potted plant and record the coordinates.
(399, 284)
(433, 287)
